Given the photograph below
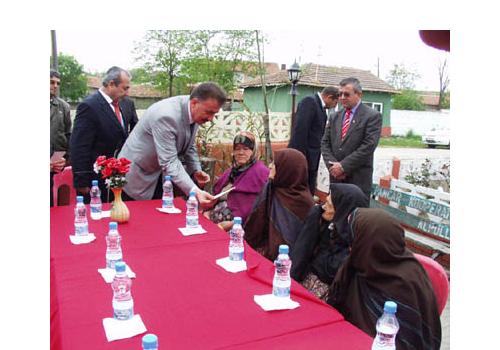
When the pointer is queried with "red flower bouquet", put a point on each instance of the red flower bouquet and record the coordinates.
(112, 170)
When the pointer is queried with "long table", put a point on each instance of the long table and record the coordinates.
(180, 293)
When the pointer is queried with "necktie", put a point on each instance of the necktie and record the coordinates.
(117, 111)
(347, 121)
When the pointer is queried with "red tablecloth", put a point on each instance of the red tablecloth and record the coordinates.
(183, 297)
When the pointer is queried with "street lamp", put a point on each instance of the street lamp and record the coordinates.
(293, 76)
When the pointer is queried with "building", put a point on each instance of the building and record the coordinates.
(314, 77)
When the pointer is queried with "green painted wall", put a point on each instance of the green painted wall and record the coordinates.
(280, 100)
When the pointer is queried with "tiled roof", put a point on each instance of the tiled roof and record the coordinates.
(318, 75)
(139, 90)
(429, 98)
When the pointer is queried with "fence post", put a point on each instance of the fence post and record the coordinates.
(396, 166)
(385, 182)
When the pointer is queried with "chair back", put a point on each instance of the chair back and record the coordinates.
(63, 191)
(439, 279)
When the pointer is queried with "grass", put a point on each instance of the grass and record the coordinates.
(413, 141)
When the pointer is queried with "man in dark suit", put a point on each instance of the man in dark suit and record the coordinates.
(309, 128)
(127, 106)
(351, 137)
(100, 128)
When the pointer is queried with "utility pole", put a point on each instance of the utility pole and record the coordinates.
(378, 67)
(54, 64)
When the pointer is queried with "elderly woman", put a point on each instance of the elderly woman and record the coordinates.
(325, 239)
(282, 206)
(247, 175)
(381, 268)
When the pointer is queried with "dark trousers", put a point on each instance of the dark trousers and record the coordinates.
(158, 193)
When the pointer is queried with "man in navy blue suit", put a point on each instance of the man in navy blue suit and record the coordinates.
(100, 128)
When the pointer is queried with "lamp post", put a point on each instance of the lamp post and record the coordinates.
(293, 76)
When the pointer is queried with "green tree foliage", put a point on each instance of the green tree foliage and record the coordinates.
(73, 80)
(402, 78)
(409, 100)
(141, 76)
(178, 59)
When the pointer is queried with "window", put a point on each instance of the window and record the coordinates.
(375, 105)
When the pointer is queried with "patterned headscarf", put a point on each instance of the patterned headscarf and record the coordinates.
(248, 139)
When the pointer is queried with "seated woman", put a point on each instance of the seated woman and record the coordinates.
(247, 175)
(381, 268)
(325, 239)
(282, 206)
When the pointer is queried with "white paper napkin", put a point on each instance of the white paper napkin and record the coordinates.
(108, 274)
(169, 210)
(232, 265)
(188, 231)
(270, 302)
(82, 239)
(117, 329)
(105, 213)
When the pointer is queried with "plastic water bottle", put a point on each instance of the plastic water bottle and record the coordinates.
(113, 246)
(95, 201)
(192, 210)
(123, 304)
(168, 193)
(81, 222)
(236, 246)
(387, 328)
(282, 280)
(150, 342)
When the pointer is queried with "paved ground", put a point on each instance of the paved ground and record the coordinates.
(382, 153)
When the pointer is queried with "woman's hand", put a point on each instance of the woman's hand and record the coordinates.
(225, 225)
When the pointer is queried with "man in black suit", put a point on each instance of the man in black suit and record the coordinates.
(350, 139)
(100, 128)
(127, 106)
(309, 128)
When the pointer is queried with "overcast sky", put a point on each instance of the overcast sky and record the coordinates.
(99, 50)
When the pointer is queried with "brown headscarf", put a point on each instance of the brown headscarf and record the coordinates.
(381, 268)
(282, 206)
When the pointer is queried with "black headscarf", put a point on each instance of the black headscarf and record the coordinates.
(321, 246)
(381, 268)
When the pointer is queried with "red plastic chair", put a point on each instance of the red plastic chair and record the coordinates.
(439, 279)
(63, 183)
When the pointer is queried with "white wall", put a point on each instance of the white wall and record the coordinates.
(419, 121)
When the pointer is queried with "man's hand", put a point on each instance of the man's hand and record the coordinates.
(83, 190)
(201, 178)
(57, 166)
(337, 171)
(205, 199)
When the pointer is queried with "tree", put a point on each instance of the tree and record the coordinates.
(409, 100)
(402, 78)
(141, 76)
(162, 52)
(444, 82)
(73, 79)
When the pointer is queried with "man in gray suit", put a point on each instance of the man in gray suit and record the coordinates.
(351, 137)
(164, 134)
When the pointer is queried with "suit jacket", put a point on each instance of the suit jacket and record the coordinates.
(308, 130)
(355, 152)
(127, 107)
(96, 132)
(162, 135)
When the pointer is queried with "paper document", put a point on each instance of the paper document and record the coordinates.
(223, 193)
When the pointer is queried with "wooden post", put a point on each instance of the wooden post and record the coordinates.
(396, 166)
(385, 182)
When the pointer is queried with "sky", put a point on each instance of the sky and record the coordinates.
(99, 50)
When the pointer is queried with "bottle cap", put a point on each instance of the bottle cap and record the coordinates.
(150, 341)
(79, 199)
(390, 307)
(237, 220)
(283, 249)
(192, 193)
(113, 225)
(94, 182)
(168, 178)
(120, 266)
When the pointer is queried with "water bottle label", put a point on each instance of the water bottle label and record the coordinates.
(110, 263)
(385, 339)
(167, 203)
(236, 256)
(95, 209)
(81, 229)
(123, 315)
(192, 221)
(281, 291)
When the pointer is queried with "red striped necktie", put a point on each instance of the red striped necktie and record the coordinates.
(117, 112)
(347, 121)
